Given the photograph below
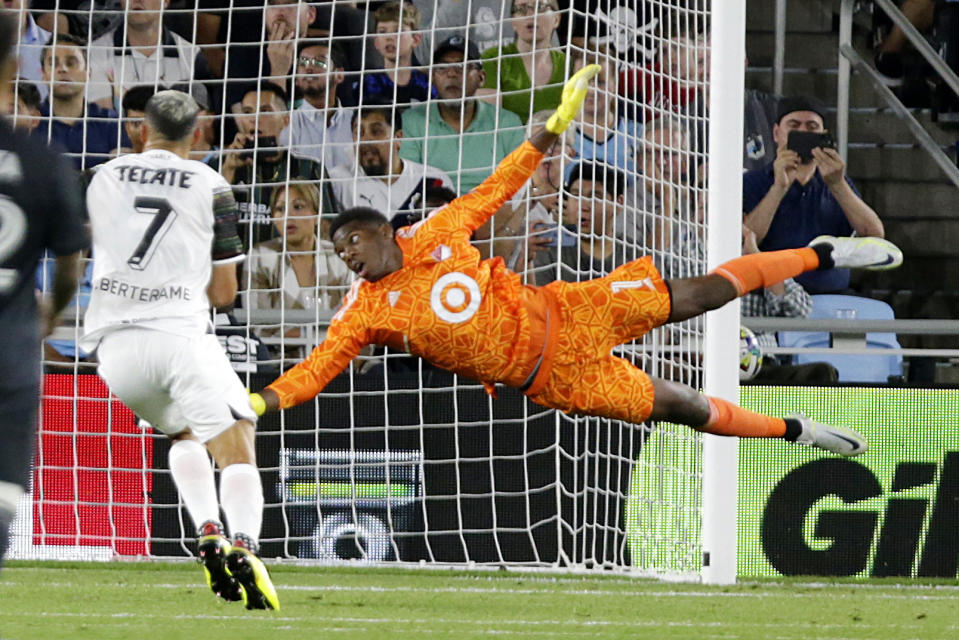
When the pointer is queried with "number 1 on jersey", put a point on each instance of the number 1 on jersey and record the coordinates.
(163, 217)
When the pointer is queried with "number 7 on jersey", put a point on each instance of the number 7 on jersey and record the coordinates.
(163, 217)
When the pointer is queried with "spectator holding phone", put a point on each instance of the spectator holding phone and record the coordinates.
(805, 193)
(256, 161)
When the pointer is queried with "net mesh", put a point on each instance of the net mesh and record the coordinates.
(311, 109)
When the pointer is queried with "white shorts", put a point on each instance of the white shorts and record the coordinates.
(174, 382)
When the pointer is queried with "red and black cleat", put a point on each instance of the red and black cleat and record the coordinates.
(212, 551)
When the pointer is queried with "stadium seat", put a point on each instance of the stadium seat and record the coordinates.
(852, 368)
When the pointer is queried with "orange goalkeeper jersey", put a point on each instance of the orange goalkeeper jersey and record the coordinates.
(445, 304)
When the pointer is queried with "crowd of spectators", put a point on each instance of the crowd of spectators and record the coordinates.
(309, 109)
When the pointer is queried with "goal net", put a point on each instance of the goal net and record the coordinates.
(397, 460)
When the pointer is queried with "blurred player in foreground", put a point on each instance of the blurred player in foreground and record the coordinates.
(40, 208)
(425, 290)
(156, 215)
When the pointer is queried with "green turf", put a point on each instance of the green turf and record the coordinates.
(161, 601)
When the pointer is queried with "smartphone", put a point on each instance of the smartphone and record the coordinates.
(567, 236)
(264, 143)
(803, 142)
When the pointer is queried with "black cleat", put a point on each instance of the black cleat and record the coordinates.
(212, 551)
(251, 573)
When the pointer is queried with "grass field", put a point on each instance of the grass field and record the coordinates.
(169, 601)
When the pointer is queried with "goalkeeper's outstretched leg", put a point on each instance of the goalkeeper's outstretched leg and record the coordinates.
(694, 296)
(583, 378)
(676, 402)
(612, 387)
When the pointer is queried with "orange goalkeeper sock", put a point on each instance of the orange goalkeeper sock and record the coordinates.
(728, 419)
(765, 269)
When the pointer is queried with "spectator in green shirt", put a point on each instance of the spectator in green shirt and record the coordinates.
(458, 133)
(527, 74)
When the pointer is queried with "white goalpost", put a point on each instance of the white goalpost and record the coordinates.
(398, 461)
(720, 455)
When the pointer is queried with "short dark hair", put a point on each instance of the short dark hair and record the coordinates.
(9, 35)
(197, 91)
(614, 184)
(389, 112)
(334, 50)
(63, 38)
(265, 86)
(136, 98)
(171, 114)
(439, 194)
(363, 215)
(28, 94)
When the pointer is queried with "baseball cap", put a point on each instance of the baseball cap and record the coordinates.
(457, 43)
(197, 91)
(792, 104)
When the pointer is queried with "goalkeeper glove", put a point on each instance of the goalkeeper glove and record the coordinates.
(258, 404)
(573, 95)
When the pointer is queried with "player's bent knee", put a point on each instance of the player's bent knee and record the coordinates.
(676, 402)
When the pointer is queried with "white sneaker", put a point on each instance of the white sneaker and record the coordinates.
(841, 440)
(875, 254)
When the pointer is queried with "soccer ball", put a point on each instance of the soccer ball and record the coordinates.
(750, 354)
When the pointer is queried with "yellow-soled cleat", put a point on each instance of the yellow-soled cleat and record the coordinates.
(212, 551)
(251, 573)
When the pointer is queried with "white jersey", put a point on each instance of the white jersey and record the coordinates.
(160, 223)
(308, 134)
(115, 66)
(407, 193)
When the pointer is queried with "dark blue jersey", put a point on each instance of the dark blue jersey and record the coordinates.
(41, 207)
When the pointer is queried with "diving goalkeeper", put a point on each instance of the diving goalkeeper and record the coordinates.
(425, 290)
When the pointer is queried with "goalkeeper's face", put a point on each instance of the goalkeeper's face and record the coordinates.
(368, 249)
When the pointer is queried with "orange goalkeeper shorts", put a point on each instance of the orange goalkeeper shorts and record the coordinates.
(582, 376)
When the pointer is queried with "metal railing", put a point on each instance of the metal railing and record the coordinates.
(849, 57)
(779, 55)
(851, 334)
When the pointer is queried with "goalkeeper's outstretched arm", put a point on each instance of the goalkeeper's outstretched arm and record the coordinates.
(472, 210)
(573, 95)
(265, 400)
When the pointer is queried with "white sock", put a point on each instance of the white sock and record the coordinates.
(193, 476)
(9, 496)
(241, 495)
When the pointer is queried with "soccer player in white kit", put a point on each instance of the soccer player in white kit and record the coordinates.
(155, 217)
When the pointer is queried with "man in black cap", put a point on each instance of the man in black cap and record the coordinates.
(795, 199)
(458, 133)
